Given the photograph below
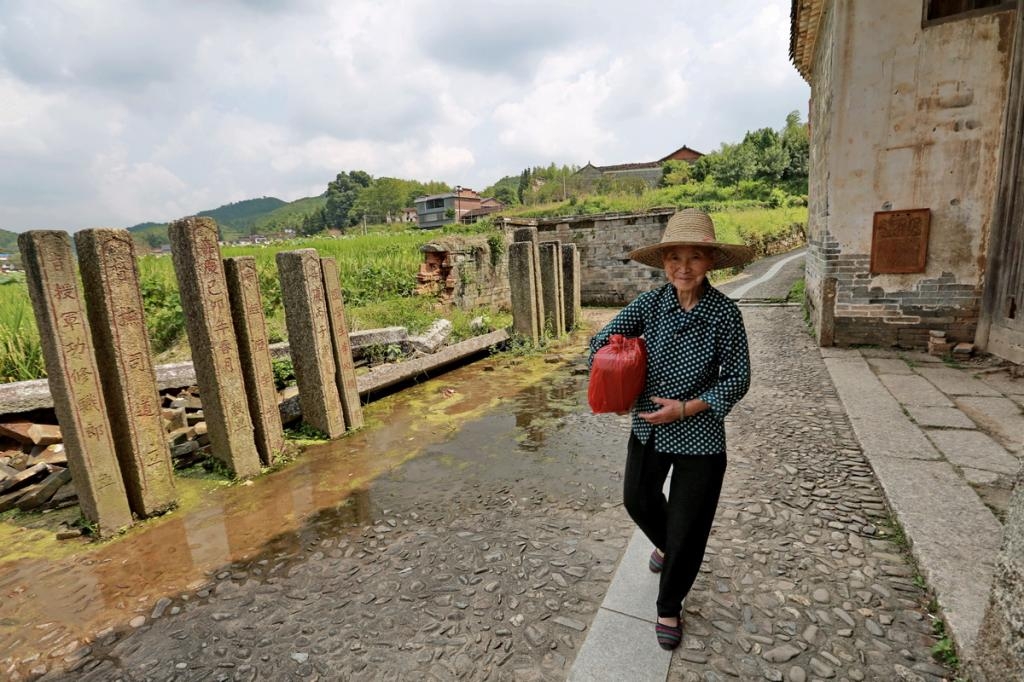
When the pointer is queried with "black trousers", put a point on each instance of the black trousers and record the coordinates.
(680, 525)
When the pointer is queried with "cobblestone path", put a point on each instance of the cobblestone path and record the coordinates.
(487, 557)
(803, 579)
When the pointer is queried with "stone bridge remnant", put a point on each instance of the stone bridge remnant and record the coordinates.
(110, 276)
(254, 355)
(552, 287)
(74, 380)
(211, 334)
(522, 277)
(571, 286)
(309, 335)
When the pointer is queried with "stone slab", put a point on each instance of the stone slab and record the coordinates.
(73, 376)
(999, 416)
(634, 589)
(254, 355)
(953, 536)
(620, 647)
(889, 366)
(1004, 383)
(953, 381)
(388, 375)
(943, 417)
(979, 476)
(345, 369)
(914, 390)
(204, 300)
(868, 402)
(552, 287)
(309, 335)
(974, 449)
(110, 274)
(522, 280)
(572, 277)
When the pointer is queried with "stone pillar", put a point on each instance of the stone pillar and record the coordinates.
(254, 355)
(110, 274)
(999, 651)
(309, 336)
(73, 377)
(552, 287)
(345, 369)
(204, 300)
(571, 278)
(529, 235)
(522, 276)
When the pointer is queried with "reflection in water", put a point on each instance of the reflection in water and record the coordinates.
(54, 604)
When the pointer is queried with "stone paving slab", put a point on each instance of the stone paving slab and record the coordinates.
(889, 366)
(954, 537)
(914, 390)
(1004, 383)
(999, 416)
(974, 449)
(942, 417)
(620, 647)
(634, 590)
(952, 381)
(868, 405)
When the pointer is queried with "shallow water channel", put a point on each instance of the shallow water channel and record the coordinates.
(489, 418)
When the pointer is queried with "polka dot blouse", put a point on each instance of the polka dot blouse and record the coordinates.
(700, 354)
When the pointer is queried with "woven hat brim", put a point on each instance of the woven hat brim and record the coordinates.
(729, 255)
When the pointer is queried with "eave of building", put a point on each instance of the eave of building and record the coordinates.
(805, 20)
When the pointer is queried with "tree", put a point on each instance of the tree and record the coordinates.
(504, 194)
(675, 172)
(342, 193)
(796, 144)
(313, 223)
(524, 184)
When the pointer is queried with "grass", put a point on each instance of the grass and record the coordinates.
(21, 356)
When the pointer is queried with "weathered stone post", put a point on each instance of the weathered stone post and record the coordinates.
(110, 274)
(73, 377)
(552, 287)
(571, 278)
(309, 336)
(345, 368)
(204, 300)
(254, 355)
(529, 235)
(999, 652)
(522, 283)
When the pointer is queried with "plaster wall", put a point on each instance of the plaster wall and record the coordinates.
(903, 117)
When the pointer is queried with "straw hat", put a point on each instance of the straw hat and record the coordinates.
(691, 227)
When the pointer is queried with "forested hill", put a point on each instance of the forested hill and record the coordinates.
(8, 241)
(235, 220)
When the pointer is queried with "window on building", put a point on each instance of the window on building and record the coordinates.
(435, 203)
(943, 9)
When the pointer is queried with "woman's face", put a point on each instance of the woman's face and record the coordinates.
(685, 266)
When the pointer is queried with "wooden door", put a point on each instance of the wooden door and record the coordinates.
(1003, 302)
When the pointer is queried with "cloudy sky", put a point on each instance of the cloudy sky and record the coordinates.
(117, 112)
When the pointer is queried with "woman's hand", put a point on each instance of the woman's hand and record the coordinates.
(670, 411)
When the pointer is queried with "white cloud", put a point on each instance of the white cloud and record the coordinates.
(119, 112)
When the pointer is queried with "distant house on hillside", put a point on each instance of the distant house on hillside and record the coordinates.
(648, 171)
(408, 215)
(436, 210)
(488, 205)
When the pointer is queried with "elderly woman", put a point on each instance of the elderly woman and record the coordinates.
(698, 368)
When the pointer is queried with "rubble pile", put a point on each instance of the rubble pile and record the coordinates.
(34, 472)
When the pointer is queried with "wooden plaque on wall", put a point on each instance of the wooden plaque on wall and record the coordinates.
(899, 241)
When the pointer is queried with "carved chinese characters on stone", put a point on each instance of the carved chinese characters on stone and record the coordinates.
(254, 355)
(309, 337)
(344, 367)
(65, 337)
(899, 241)
(211, 335)
(111, 279)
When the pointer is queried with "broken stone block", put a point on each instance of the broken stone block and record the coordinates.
(193, 418)
(174, 418)
(185, 448)
(22, 477)
(433, 338)
(963, 349)
(65, 496)
(52, 455)
(28, 433)
(44, 491)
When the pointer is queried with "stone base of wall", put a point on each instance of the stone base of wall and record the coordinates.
(880, 331)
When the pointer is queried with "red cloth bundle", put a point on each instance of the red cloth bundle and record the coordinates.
(617, 374)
